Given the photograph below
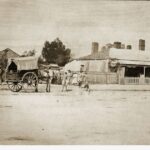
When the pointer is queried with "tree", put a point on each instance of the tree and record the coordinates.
(56, 52)
(28, 53)
(32, 53)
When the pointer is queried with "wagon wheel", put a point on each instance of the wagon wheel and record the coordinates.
(14, 86)
(30, 81)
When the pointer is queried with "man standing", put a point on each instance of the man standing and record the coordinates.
(50, 75)
(1, 72)
(48, 80)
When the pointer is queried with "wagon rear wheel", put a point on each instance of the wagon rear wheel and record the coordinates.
(30, 81)
(14, 86)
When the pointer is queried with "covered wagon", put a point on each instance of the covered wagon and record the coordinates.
(22, 72)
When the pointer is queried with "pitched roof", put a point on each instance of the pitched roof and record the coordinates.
(96, 56)
(125, 54)
(120, 54)
(8, 49)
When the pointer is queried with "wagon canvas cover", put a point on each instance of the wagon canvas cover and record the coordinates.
(25, 63)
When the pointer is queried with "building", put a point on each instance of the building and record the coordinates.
(6, 54)
(115, 66)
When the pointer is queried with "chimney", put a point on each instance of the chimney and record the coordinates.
(129, 47)
(141, 45)
(117, 45)
(122, 46)
(95, 47)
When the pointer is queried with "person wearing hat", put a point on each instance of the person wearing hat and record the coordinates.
(48, 81)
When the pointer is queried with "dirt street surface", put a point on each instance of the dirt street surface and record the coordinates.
(109, 114)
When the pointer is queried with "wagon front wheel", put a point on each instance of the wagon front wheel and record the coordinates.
(14, 86)
(30, 81)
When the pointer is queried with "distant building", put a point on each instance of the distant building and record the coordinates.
(115, 66)
(7, 53)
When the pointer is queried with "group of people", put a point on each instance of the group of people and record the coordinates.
(66, 79)
(82, 80)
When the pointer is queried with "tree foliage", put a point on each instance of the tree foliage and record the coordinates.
(28, 53)
(56, 52)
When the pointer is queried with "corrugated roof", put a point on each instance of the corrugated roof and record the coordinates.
(134, 62)
(120, 54)
(125, 54)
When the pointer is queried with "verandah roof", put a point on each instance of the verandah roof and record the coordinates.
(138, 63)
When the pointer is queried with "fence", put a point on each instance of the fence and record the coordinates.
(147, 80)
(112, 78)
(136, 80)
(131, 80)
(102, 78)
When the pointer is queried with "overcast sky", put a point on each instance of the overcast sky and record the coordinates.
(27, 24)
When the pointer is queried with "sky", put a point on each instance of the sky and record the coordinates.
(27, 24)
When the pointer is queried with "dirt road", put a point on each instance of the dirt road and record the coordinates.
(75, 117)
